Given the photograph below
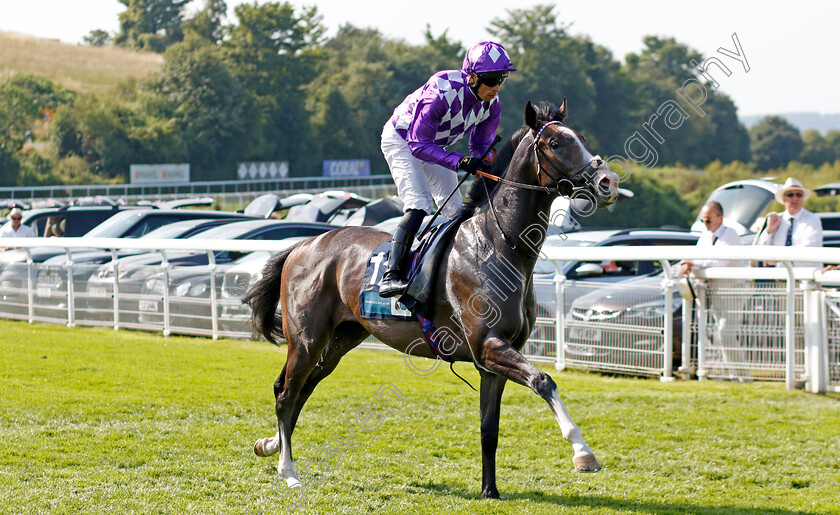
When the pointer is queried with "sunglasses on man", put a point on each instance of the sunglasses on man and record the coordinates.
(16, 218)
(797, 194)
(492, 79)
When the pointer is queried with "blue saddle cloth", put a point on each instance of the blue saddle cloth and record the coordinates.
(419, 295)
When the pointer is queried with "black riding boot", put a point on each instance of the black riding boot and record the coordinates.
(392, 282)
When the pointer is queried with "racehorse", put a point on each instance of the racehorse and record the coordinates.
(484, 296)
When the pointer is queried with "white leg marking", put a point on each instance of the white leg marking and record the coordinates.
(286, 468)
(265, 447)
(571, 432)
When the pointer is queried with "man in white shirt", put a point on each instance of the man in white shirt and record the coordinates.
(14, 228)
(725, 305)
(716, 234)
(796, 226)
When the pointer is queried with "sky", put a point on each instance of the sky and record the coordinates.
(790, 47)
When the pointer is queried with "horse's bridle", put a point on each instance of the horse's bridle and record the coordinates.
(538, 152)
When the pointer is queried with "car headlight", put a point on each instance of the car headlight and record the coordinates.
(181, 290)
(191, 289)
(653, 309)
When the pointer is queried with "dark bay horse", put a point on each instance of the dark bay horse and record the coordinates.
(485, 301)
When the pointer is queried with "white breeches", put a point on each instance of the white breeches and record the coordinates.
(420, 185)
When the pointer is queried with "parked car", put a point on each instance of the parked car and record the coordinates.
(582, 275)
(131, 223)
(830, 221)
(134, 270)
(235, 316)
(51, 281)
(64, 221)
(622, 324)
(333, 207)
(832, 188)
(189, 298)
(605, 271)
(72, 220)
(743, 203)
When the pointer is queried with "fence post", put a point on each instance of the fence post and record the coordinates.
(71, 301)
(116, 269)
(700, 302)
(687, 317)
(816, 344)
(214, 309)
(559, 313)
(668, 329)
(789, 327)
(165, 266)
(30, 285)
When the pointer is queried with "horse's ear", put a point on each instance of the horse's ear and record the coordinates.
(531, 116)
(561, 111)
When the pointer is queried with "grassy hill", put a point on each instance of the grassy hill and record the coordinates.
(80, 68)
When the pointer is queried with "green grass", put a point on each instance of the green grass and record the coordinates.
(97, 421)
(80, 68)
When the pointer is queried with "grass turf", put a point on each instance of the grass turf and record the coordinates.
(97, 421)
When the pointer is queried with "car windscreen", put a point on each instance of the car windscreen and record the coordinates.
(169, 231)
(115, 226)
(742, 203)
(544, 266)
(224, 232)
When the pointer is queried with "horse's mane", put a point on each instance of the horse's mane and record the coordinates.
(482, 190)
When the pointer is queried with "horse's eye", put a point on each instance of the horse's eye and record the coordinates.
(554, 144)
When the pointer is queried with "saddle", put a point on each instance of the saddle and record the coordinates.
(418, 298)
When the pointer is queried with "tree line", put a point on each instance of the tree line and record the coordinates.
(272, 87)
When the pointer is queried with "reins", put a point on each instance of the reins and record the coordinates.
(538, 152)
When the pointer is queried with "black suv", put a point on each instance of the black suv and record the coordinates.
(70, 220)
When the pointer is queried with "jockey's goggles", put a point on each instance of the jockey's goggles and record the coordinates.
(492, 79)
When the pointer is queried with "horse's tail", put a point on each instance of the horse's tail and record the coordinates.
(264, 296)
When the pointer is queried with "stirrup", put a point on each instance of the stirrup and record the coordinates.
(392, 287)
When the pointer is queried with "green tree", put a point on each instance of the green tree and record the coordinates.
(774, 142)
(551, 65)
(150, 25)
(23, 99)
(662, 73)
(730, 140)
(815, 149)
(113, 131)
(215, 116)
(273, 51)
(97, 37)
(208, 23)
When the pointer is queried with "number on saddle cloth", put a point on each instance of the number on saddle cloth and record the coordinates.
(418, 297)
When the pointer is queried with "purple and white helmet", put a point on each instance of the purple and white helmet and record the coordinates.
(486, 57)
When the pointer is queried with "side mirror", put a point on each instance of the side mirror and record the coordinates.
(589, 270)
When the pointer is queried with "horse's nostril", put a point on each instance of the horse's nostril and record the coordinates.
(604, 184)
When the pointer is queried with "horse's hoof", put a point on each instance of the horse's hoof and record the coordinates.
(586, 463)
(490, 494)
(265, 447)
(293, 482)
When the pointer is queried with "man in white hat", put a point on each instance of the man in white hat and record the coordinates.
(14, 228)
(796, 226)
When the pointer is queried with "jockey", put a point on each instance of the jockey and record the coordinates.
(451, 104)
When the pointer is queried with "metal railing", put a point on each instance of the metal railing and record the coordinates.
(372, 185)
(780, 324)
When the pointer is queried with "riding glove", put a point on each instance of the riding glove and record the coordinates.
(471, 164)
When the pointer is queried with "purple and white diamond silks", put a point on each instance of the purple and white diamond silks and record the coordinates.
(440, 113)
(487, 57)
